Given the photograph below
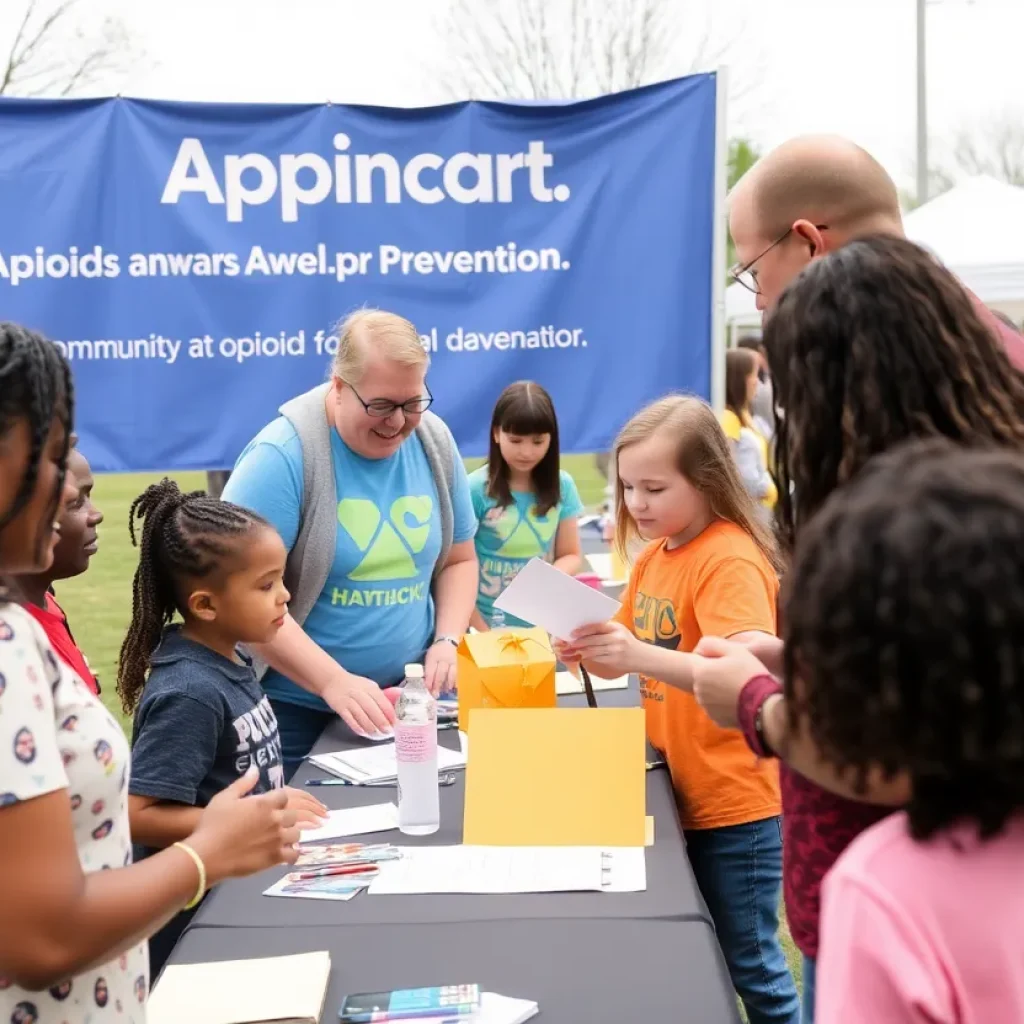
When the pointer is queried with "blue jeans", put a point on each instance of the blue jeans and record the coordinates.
(810, 978)
(739, 872)
(299, 728)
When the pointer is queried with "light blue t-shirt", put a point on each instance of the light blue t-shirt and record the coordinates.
(507, 538)
(376, 613)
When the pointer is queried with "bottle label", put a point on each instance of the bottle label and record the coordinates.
(415, 743)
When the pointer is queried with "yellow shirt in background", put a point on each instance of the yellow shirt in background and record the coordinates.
(732, 425)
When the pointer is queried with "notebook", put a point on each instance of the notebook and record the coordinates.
(274, 990)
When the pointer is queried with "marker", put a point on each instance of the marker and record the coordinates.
(338, 869)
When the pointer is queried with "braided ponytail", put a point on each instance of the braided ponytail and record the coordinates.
(183, 535)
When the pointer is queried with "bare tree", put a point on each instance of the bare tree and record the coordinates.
(58, 50)
(995, 149)
(568, 49)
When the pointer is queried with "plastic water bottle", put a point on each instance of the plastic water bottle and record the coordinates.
(497, 619)
(419, 802)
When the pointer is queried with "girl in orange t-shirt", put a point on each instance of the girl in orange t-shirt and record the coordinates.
(710, 570)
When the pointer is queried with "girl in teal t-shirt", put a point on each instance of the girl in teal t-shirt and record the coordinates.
(525, 505)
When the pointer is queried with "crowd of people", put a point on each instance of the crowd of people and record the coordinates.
(824, 615)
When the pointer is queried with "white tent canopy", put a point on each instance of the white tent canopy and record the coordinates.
(976, 229)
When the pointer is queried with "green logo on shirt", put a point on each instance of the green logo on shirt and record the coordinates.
(526, 535)
(388, 545)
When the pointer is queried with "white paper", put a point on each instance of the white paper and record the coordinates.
(353, 821)
(277, 889)
(554, 600)
(566, 683)
(625, 869)
(378, 764)
(491, 869)
(494, 1009)
(284, 988)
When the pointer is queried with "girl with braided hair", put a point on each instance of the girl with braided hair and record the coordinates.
(872, 345)
(201, 718)
(72, 904)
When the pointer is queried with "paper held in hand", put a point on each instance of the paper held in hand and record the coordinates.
(553, 600)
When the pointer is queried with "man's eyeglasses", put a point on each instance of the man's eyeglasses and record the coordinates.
(381, 408)
(746, 275)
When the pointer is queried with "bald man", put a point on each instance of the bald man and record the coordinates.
(808, 197)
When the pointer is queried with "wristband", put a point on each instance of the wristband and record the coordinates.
(447, 639)
(752, 699)
(201, 867)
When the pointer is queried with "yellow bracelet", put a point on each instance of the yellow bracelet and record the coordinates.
(198, 861)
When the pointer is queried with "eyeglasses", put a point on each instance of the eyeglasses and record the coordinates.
(381, 408)
(746, 275)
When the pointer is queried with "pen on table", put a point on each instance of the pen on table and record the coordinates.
(339, 869)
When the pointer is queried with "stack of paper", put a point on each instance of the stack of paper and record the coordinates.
(511, 869)
(276, 990)
(377, 764)
(494, 1009)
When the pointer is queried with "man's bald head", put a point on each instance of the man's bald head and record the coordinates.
(825, 179)
(824, 190)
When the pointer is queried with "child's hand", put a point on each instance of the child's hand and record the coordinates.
(309, 812)
(609, 646)
(565, 652)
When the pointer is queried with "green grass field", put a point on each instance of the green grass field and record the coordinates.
(99, 603)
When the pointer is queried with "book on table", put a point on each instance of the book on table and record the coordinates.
(271, 990)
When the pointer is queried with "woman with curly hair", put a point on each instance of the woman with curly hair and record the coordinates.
(903, 655)
(872, 345)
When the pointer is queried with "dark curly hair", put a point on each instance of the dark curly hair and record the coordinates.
(872, 345)
(904, 620)
(184, 537)
(35, 385)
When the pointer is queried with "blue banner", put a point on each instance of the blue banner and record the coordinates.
(191, 259)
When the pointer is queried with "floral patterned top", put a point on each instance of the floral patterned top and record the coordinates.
(56, 735)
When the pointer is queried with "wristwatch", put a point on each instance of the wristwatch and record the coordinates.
(446, 638)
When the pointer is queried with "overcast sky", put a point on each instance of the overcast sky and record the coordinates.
(846, 66)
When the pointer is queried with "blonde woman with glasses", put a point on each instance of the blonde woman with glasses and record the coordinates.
(369, 493)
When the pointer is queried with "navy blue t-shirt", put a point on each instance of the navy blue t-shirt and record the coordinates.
(202, 722)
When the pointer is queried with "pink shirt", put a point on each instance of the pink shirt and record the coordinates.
(928, 933)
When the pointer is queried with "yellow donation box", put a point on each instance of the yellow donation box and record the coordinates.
(505, 668)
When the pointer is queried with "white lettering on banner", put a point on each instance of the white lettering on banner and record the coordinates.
(95, 263)
(308, 179)
(503, 259)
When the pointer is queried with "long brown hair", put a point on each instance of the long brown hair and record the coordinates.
(740, 363)
(704, 458)
(524, 409)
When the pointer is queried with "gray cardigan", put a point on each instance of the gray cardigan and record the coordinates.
(312, 555)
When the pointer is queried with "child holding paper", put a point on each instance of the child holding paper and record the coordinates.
(526, 505)
(201, 719)
(710, 569)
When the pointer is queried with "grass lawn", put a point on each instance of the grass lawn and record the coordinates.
(99, 603)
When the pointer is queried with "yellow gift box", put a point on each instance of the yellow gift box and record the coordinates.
(505, 668)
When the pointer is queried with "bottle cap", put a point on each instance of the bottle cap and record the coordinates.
(413, 671)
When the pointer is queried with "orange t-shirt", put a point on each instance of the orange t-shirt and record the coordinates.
(718, 584)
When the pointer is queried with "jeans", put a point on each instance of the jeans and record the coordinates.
(810, 979)
(739, 872)
(299, 728)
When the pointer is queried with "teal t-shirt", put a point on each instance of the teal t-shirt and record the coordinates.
(376, 612)
(507, 538)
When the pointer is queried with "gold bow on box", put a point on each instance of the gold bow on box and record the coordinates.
(505, 668)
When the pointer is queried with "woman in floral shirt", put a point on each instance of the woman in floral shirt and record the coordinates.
(74, 911)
